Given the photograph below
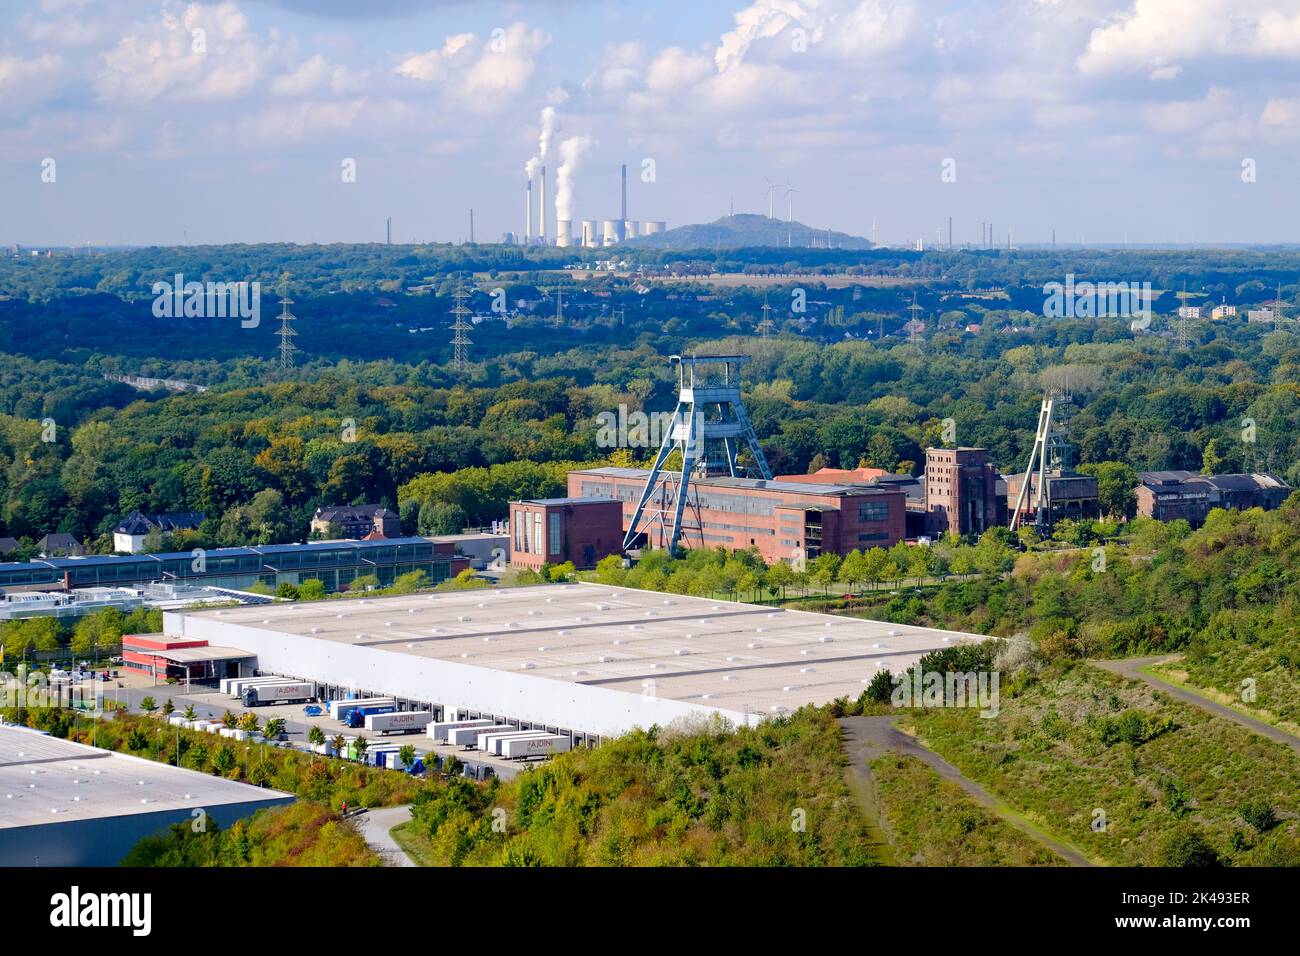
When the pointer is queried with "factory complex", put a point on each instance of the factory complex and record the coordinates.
(580, 660)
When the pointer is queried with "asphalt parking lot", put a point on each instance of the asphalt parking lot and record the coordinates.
(209, 703)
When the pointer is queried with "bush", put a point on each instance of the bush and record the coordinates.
(1259, 815)
(1188, 847)
(881, 688)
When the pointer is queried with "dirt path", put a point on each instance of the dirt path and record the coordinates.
(866, 738)
(374, 826)
(1129, 667)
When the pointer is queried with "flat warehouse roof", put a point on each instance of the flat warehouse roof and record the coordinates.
(45, 779)
(718, 654)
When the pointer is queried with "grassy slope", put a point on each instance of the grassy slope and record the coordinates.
(932, 822)
(300, 834)
(1045, 754)
(707, 797)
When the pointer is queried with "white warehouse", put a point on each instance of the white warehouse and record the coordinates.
(586, 658)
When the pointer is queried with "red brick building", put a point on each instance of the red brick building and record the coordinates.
(783, 520)
(961, 491)
(554, 530)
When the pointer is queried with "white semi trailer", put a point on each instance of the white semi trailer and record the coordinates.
(284, 692)
(467, 736)
(238, 685)
(519, 748)
(491, 743)
(440, 729)
(398, 722)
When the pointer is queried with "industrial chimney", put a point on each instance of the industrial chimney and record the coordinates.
(622, 218)
(541, 228)
(528, 218)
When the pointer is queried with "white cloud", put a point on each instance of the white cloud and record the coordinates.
(315, 75)
(29, 80)
(1159, 34)
(480, 73)
(167, 58)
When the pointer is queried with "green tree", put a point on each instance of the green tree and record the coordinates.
(148, 705)
(1116, 482)
(315, 736)
(313, 589)
(779, 577)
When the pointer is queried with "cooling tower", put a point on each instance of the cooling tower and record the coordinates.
(652, 226)
(563, 231)
(589, 237)
(611, 232)
(631, 228)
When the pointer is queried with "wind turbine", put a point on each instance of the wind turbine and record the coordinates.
(771, 186)
(789, 203)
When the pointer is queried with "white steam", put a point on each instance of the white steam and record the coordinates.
(571, 153)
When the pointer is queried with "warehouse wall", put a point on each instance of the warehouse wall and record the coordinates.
(105, 841)
(541, 700)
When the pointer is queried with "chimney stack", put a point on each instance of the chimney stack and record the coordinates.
(541, 209)
(528, 219)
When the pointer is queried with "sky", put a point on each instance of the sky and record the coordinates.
(143, 123)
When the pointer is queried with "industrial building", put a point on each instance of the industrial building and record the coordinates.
(961, 492)
(582, 660)
(162, 657)
(1068, 495)
(556, 530)
(783, 520)
(1170, 495)
(67, 804)
(336, 563)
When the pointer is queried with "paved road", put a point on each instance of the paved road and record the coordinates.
(375, 826)
(867, 738)
(1128, 667)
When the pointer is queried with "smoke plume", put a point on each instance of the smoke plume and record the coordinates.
(571, 153)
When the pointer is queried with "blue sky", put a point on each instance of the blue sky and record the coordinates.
(1105, 120)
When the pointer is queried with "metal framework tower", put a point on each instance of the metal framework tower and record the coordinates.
(767, 325)
(1052, 454)
(708, 428)
(287, 333)
(459, 340)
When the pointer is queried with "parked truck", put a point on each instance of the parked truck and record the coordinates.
(284, 692)
(398, 722)
(356, 716)
(438, 731)
(238, 685)
(339, 709)
(468, 736)
(490, 743)
(519, 748)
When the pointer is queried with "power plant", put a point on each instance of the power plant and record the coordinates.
(590, 233)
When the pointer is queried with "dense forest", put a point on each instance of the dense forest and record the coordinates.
(374, 411)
